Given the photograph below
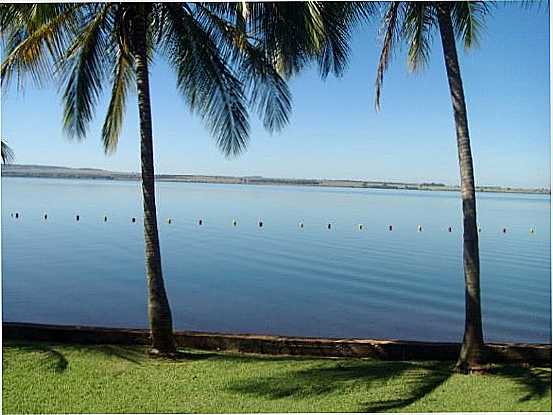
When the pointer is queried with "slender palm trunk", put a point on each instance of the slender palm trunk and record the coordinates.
(159, 312)
(472, 349)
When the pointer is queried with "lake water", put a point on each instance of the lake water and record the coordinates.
(277, 279)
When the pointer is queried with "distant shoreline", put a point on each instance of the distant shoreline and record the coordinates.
(54, 172)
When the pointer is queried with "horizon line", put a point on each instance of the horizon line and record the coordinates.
(257, 176)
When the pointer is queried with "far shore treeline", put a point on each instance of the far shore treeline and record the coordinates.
(57, 172)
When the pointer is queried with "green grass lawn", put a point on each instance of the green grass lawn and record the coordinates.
(48, 378)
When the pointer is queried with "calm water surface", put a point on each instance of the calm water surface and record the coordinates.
(277, 279)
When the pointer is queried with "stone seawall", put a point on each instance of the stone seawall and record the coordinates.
(280, 345)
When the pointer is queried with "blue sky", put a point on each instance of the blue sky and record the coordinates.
(335, 131)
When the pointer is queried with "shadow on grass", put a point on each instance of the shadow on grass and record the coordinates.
(129, 353)
(53, 358)
(417, 380)
(139, 354)
(59, 362)
(535, 382)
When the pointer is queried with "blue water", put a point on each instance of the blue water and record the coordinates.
(278, 279)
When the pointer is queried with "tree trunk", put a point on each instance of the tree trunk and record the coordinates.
(159, 312)
(472, 356)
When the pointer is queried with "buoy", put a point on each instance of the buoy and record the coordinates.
(449, 229)
(260, 224)
(169, 221)
(504, 230)
(390, 228)
(16, 215)
(200, 222)
(360, 226)
(45, 216)
(300, 225)
(133, 220)
(328, 226)
(77, 218)
(419, 228)
(234, 222)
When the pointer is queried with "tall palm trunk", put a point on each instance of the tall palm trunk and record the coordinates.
(472, 349)
(159, 312)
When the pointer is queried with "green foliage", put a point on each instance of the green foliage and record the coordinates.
(415, 23)
(46, 378)
(7, 153)
(228, 57)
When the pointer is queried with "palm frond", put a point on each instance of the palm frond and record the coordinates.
(7, 153)
(267, 91)
(84, 68)
(206, 80)
(468, 20)
(334, 50)
(526, 4)
(390, 28)
(338, 20)
(123, 76)
(417, 30)
(34, 41)
(281, 31)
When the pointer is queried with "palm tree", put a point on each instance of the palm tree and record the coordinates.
(226, 56)
(414, 23)
(7, 153)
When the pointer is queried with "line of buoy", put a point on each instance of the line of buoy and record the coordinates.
(301, 224)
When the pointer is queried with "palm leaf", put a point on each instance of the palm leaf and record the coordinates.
(7, 153)
(84, 69)
(468, 20)
(123, 76)
(33, 44)
(267, 91)
(206, 80)
(417, 30)
(338, 19)
(390, 28)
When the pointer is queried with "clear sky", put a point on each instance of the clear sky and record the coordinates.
(335, 131)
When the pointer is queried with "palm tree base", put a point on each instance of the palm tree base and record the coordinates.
(467, 368)
(169, 353)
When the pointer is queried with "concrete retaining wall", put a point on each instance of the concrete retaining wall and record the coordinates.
(280, 345)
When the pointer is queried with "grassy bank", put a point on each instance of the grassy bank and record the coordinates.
(46, 378)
